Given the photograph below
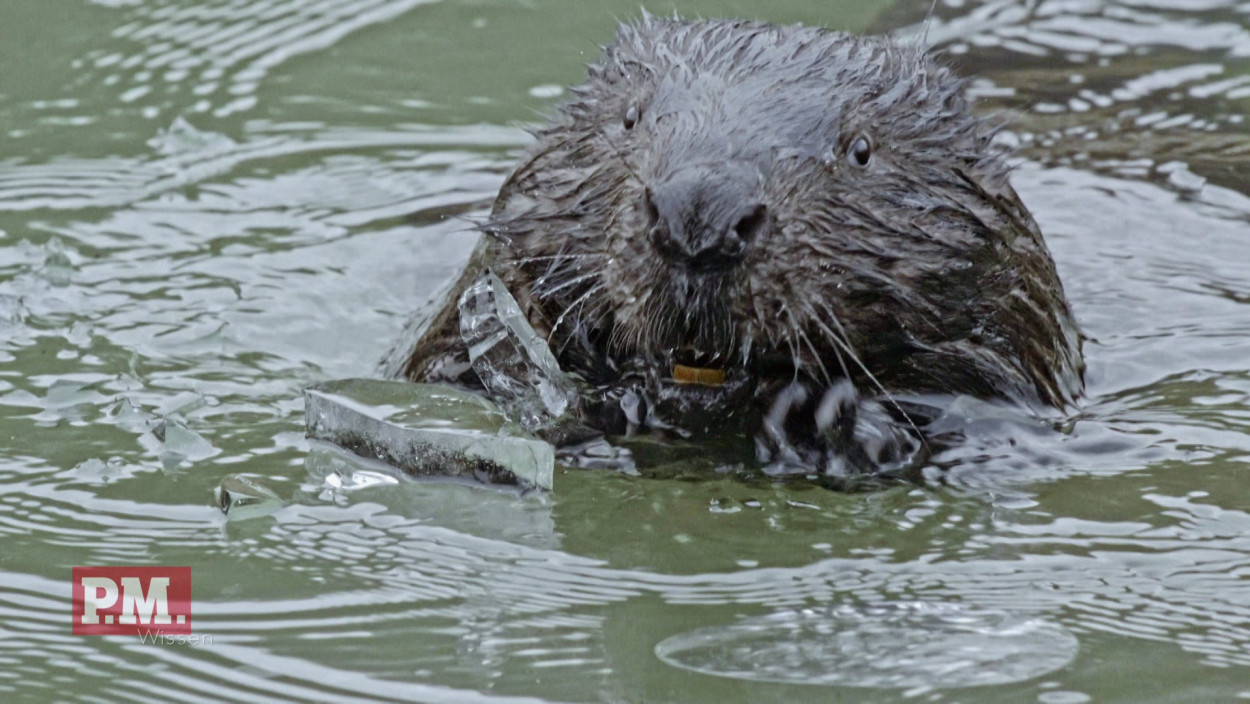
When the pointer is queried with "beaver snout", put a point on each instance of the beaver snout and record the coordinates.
(705, 217)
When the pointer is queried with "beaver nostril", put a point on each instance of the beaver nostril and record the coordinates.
(657, 229)
(750, 225)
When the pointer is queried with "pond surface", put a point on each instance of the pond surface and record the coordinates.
(207, 205)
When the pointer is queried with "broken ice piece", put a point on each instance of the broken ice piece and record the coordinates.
(515, 364)
(427, 430)
(182, 442)
(598, 453)
(240, 496)
(58, 268)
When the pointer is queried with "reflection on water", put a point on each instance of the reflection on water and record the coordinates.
(911, 645)
(205, 207)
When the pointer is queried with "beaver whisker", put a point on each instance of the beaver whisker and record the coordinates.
(788, 337)
(542, 290)
(798, 330)
(522, 261)
(820, 362)
(596, 315)
(923, 41)
(832, 337)
(842, 339)
(559, 266)
(597, 288)
(846, 346)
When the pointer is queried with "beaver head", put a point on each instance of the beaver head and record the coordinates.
(784, 200)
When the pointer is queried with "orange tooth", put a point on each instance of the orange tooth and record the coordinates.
(698, 375)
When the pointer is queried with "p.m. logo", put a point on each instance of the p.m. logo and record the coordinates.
(142, 601)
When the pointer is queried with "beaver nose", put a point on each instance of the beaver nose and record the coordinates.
(704, 218)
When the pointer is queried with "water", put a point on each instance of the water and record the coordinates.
(898, 645)
(207, 206)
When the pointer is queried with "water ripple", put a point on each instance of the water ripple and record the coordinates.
(76, 184)
(220, 51)
(202, 274)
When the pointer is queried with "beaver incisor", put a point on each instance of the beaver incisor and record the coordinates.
(777, 206)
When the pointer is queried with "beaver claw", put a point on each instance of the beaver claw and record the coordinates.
(836, 433)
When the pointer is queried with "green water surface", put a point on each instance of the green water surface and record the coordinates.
(207, 206)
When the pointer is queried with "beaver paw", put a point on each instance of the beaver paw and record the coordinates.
(834, 433)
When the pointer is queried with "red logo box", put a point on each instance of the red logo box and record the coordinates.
(132, 601)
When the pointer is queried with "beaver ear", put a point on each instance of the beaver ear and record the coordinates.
(994, 199)
(614, 72)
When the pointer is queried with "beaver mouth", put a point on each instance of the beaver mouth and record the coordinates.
(703, 376)
(692, 366)
(691, 356)
(706, 343)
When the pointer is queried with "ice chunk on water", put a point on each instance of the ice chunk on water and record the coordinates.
(240, 496)
(499, 513)
(58, 268)
(181, 137)
(598, 453)
(182, 443)
(12, 311)
(183, 404)
(67, 393)
(427, 430)
(516, 365)
(97, 471)
(127, 417)
(71, 399)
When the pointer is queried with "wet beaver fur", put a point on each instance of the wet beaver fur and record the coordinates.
(815, 216)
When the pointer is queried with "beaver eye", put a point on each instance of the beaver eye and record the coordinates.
(860, 152)
(631, 117)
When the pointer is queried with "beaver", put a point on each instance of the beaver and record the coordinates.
(782, 228)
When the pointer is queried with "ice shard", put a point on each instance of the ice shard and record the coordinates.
(240, 496)
(427, 430)
(516, 365)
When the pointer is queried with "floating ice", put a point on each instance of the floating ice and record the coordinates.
(337, 472)
(67, 393)
(455, 503)
(240, 496)
(127, 417)
(598, 453)
(183, 403)
(98, 471)
(516, 366)
(58, 268)
(182, 443)
(12, 310)
(427, 430)
(181, 137)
